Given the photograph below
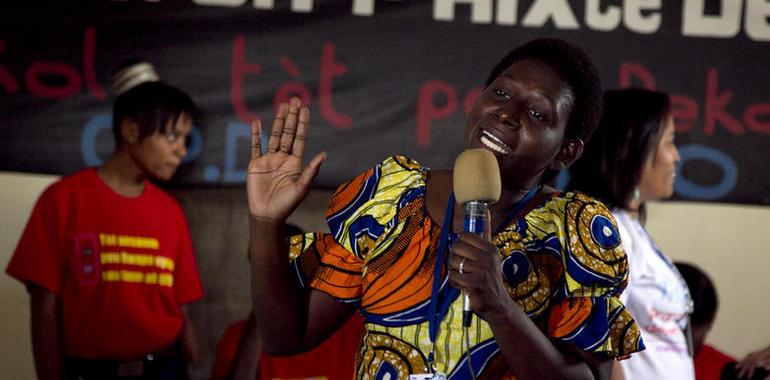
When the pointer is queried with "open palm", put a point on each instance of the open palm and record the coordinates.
(276, 181)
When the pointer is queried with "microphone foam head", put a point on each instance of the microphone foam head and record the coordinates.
(476, 176)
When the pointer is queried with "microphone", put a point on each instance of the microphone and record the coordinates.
(476, 182)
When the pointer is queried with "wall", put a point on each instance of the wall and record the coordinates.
(18, 193)
(729, 242)
(732, 244)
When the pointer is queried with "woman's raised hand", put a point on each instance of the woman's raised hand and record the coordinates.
(275, 181)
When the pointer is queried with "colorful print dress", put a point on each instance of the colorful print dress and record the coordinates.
(562, 263)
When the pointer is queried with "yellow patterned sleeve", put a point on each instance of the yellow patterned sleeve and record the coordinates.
(362, 220)
(591, 314)
(574, 250)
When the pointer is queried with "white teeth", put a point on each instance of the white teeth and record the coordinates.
(492, 142)
(487, 143)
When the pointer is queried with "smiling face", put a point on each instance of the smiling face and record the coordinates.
(521, 117)
(659, 172)
(160, 154)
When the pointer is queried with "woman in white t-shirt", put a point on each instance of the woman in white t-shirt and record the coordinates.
(630, 160)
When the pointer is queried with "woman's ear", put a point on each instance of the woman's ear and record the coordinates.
(569, 152)
(129, 131)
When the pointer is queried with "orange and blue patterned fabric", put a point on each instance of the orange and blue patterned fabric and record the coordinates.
(562, 263)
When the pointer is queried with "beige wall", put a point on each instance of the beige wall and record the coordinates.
(731, 243)
(18, 193)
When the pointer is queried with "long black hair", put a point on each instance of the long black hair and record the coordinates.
(629, 131)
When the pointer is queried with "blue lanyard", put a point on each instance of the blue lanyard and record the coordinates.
(441, 257)
(447, 238)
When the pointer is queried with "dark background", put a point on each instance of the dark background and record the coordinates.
(55, 60)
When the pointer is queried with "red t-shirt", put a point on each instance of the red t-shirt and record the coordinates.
(710, 362)
(334, 359)
(120, 266)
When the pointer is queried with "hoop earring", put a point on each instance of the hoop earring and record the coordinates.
(635, 195)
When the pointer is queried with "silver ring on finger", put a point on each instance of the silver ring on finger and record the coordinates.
(462, 265)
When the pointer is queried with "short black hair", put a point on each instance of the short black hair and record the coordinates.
(576, 68)
(702, 292)
(151, 105)
(631, 126)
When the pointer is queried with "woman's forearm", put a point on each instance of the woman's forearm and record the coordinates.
(279, 303)
(189, 338)
(46, 334)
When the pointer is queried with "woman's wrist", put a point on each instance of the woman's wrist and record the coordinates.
(501, 314)
(263, 223)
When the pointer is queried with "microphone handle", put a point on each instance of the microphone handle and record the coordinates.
(475, 220)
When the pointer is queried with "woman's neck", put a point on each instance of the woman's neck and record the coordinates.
(509, 201)
(439, 187)
(633, 211)
(123, 175)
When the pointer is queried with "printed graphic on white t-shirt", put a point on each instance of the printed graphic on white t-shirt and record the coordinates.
(658, 299)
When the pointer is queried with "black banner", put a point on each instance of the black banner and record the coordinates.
(381, 76)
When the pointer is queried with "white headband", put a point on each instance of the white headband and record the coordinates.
(133, 76)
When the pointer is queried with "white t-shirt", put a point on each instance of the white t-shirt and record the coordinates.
(658, 299)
